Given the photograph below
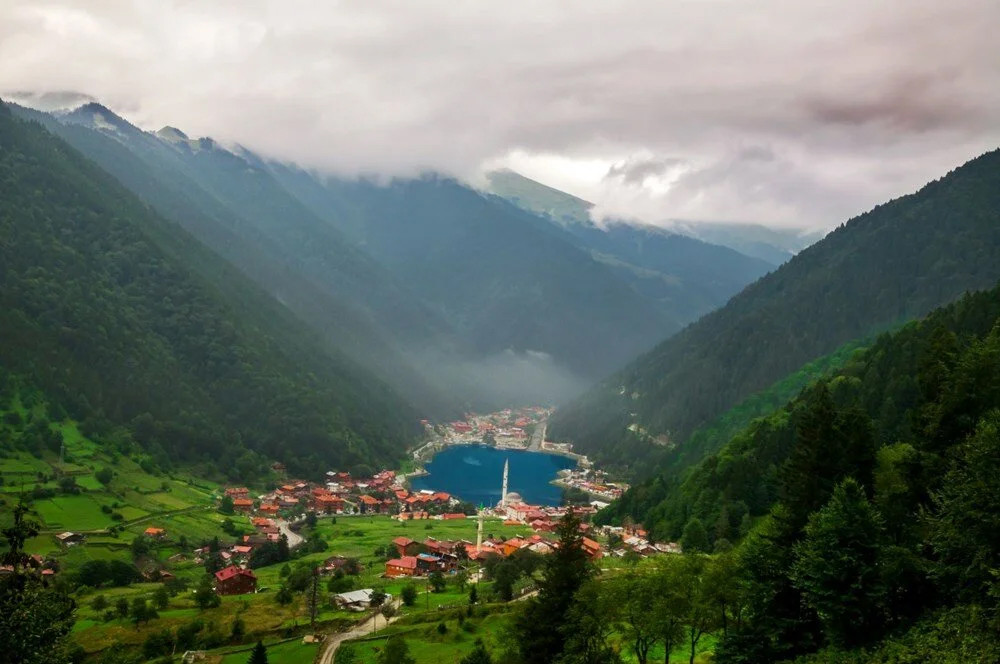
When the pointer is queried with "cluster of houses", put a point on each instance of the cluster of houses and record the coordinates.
(594, 482)
(382, 493)
(46, 567)
(541, 518)
(507, 427)
(432, 555)
(635, 539)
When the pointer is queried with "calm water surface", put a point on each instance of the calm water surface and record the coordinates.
(475, 473)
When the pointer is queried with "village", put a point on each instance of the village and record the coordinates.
(277, 515)
(368, 538)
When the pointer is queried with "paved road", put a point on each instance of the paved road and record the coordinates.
(294, 539)
(361, 630)
(538, 436)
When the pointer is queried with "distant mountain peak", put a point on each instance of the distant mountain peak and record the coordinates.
(773, 245)
(98, 116)
(56, 101)
(539, 198)
(172, 134)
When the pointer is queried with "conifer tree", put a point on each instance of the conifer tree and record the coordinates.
(479, 655)
(539, 626)
(837, 567)
(258, 655)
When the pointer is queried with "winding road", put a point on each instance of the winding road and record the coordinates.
(360, 630)
(294, 539)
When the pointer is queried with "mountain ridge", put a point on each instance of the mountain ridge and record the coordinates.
(883, 267)
(133, 324)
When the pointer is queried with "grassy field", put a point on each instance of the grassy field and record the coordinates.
(292, 652)
(184, 506)
(81, 512)
(427, 644)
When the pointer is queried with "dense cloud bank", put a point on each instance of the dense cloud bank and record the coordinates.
(777, 111)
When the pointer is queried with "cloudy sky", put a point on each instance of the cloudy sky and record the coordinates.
(790, 113)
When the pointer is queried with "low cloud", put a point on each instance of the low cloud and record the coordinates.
(682, 107)
(506, 378)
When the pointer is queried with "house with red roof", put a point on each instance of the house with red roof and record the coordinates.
(369, 504)
(235, 580)
(543, 525)
(328, 504)
(242, 551)
(405, 546)
(592, 548)
(405, 566)
(243, 505)
(508, 547)
(157, 533)
(428, 562)
(440, 547)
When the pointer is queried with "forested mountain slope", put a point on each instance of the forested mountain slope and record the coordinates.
(892, 396)
(685, 276)
(878, 489)
(123, 319)
(888, 265)
(497, 273)
(454, 298)
(241, 213)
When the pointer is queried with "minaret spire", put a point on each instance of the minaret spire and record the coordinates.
(503, 490)
(479, 532)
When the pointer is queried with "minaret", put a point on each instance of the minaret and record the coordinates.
(479, 533)
(503, 491)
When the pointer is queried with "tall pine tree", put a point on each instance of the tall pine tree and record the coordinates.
(539, 626)
(258, 655)
(837, 567)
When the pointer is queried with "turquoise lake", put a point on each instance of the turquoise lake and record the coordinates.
(474, 473)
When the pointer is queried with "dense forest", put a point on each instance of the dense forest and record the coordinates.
(867, 504)
(239, 211)
(889, 265)
(123, 320)
(372, 267)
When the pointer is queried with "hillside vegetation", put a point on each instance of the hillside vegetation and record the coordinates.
(123, 320)
(868, 503)
(884, 267)
(238, 210)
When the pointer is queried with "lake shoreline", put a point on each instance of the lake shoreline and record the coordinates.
(455, 472)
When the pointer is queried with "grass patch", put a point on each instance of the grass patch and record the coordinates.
(292, 652)
(80, 512)
(428, 646)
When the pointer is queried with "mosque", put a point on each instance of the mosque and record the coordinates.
(505, 499)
